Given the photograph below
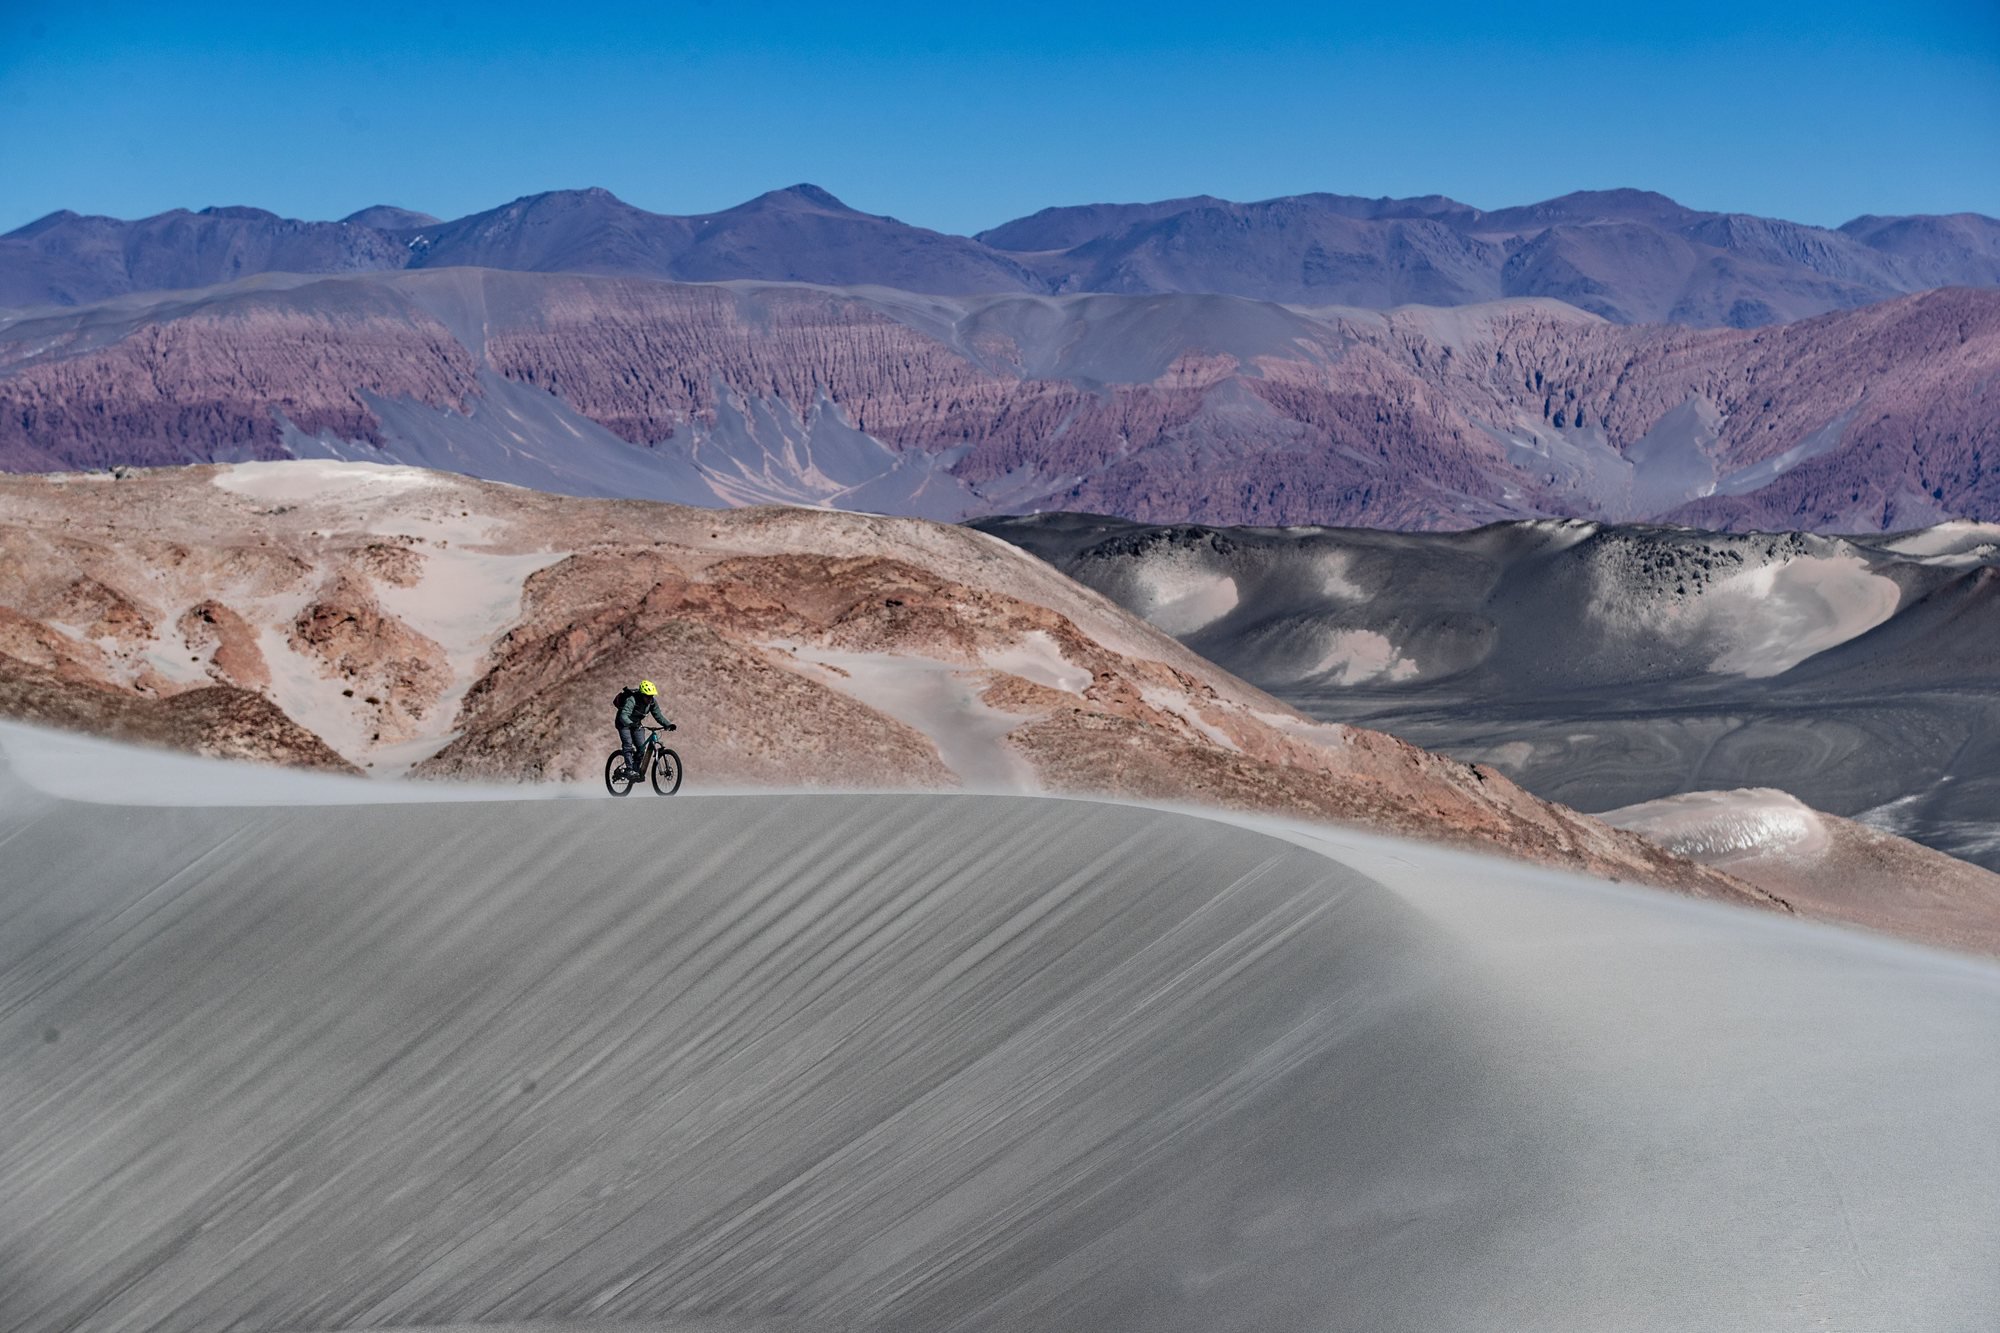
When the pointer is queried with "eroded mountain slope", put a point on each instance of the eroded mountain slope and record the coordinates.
(1163, 408)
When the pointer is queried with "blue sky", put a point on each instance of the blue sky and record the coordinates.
(960, 117)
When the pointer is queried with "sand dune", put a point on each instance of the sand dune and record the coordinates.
(1828, 866)
(948, 1062)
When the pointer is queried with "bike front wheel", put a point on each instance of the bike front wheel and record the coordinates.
(666, 771)
(617, 780)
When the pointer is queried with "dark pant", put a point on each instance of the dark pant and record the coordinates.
(633, 739)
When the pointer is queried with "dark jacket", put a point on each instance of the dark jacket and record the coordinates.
(634, 706)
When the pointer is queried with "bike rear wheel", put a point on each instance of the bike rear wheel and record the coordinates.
(616, 780)
(666, 771)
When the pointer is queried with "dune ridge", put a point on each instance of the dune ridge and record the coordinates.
(948, 1062)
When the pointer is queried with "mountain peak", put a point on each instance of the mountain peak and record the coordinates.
(1621, 203)
(43, 223)
(802, 196)
(590, 196)
(388, 217)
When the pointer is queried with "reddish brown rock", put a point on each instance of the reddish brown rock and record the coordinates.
(217, 721)
(227, 639)
(398, 673)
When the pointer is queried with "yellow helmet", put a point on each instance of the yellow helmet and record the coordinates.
(647, 687)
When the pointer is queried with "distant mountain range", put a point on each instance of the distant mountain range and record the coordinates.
(1159, 408)
(1626, 255)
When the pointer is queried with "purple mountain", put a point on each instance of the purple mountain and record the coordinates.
(1628, 255)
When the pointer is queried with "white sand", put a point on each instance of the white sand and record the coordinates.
(1354, 656)
(1332, 734)
(1336, 577)
(296, 481)
(1960, 542)
(1037, 657)
(1567, 532)
(938, 699)
(1177, 598)
(464, 601)
(1180, 706)
(1775, 617)
(1721, 826)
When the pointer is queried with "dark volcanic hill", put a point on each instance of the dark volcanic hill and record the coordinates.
(1604, 666)
(1158, 408)
(1629, 256)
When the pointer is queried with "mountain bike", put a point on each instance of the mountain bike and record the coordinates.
(656, 762)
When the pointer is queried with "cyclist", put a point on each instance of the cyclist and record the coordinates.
(634, 703)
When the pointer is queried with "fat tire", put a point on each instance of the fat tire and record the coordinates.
(613, 770)
(666, 771)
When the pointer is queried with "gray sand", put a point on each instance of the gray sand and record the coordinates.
(759, 1062)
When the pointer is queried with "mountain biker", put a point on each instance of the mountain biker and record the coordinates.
(634, 703)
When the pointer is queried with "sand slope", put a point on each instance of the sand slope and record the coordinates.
(950, 1062)
(1827, 866)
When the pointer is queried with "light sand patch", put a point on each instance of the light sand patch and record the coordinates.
(1722, 827)
(1960, 545)
(174, 663)
(1037, 657)
(1302, 728)
(1336, 579)
(1178, 598)
(1180, 706)
(1353, 656)
(464, 600)
(938, 699)
(311, 699)
(1823, 865)
(1567, 532)
(297, 481)
(1773, 618)
(1512, 756)
(1948, 539)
